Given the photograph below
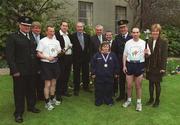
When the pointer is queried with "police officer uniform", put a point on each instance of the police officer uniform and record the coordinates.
(22, 61)
(118, 49)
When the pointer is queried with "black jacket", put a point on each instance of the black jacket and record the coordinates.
(21, 54)
(80, 55)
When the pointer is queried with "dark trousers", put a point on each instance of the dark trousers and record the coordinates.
(39, 87)
(24, 88)
(122, 83)
(77, 68)
(151, 90)
(65, 64)
(115, 86)
(103, 93)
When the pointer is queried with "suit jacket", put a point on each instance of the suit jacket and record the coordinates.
(118, 48)
(95, 43)
(21, 54)
(80, 55)
(119, 44)
(41, 36)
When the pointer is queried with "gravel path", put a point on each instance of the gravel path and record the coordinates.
(4, 71)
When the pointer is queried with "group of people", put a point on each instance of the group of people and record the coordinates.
(41, 65)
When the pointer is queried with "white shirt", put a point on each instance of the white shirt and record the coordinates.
(134, 50)
(154, 44)
(100, 38)
(125, 35)
(36, 37)
(67, 42)
(48, 47)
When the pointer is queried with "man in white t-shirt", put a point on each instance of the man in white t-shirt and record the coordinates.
(48, 49)
(133, 65)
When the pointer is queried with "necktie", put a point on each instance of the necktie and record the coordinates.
(100, 39)
(81, 40)
(36, 39)
(124, 36)
(27, 35)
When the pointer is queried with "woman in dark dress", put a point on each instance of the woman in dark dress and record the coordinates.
(156, 64)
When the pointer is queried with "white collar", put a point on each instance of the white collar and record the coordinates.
(23, 32)
(61, 33)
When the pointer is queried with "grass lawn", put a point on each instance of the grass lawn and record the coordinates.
(81, 110)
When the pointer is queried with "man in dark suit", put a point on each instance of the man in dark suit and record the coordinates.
(118, 49)
(97, 39)
(65, 61)
(81, 58)
(36, 32)
(21, 57)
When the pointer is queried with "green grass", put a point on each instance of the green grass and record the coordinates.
(81, 110)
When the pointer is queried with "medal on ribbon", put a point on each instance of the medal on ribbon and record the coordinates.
(105, 60)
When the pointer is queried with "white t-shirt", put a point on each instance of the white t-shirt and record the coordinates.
(134, 50)
(49, 47)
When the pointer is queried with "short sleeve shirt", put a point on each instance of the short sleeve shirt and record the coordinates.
(49, 47)
(134, 50)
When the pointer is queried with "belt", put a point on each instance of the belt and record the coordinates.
(134, 61)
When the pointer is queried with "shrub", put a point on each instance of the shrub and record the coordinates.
(173, 35)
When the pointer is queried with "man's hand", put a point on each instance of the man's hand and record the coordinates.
(125, 69)
(16, 74)
(50, 58)
(116, 76)
(162, 71)
(93, 76)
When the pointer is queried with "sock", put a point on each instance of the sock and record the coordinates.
(129, 99)
(52, 97)
(138, 100)
(47, 100)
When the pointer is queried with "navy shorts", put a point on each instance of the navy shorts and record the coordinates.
(135, 69)
(49, 71)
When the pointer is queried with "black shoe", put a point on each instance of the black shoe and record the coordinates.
(150, 102)
(156, 104)
(34, 110)
(59, 98)
(119, 98)
(18, 119)
(67, 94)
(98, 104)
(76, 93)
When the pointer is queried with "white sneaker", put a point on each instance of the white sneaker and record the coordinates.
(49, 106)
(126, 104)
(139, 107)
(55, 102)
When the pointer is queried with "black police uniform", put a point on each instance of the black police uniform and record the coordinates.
(118, 48)
(21, 57)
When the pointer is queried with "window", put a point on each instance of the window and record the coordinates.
(85, 13)
(120, 14)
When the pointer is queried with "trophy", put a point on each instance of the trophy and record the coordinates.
(147, 33)
(63, 51)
